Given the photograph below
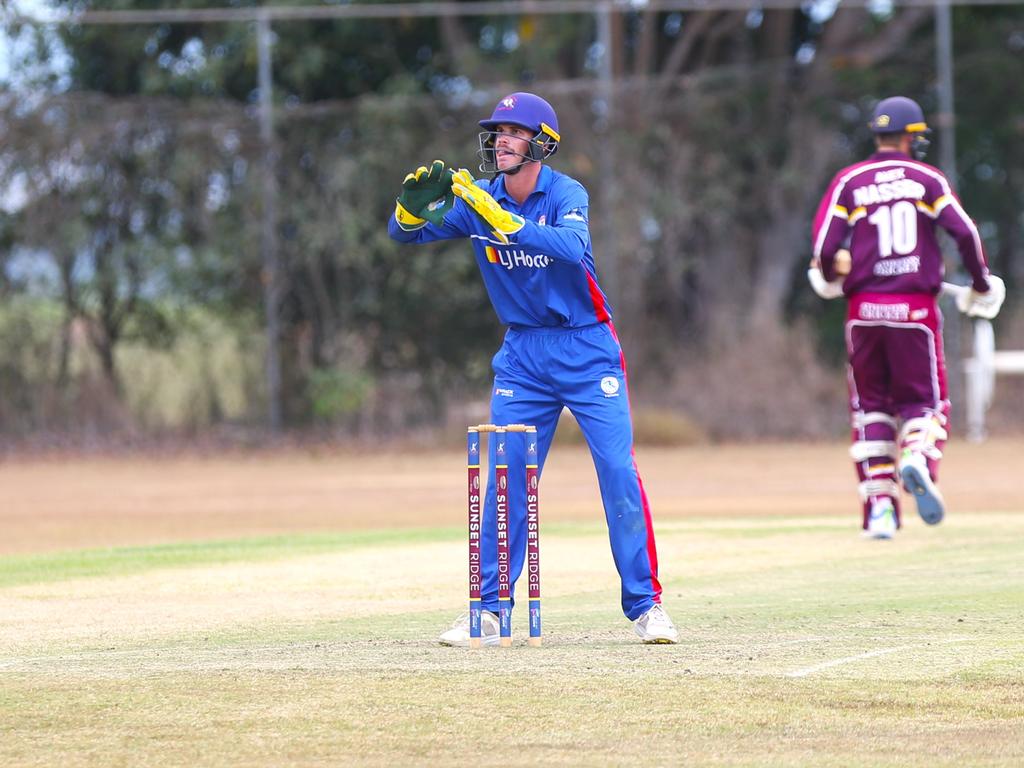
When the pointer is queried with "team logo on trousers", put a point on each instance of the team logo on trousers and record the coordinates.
(610, 386)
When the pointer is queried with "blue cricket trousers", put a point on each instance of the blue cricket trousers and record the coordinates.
(537, 372)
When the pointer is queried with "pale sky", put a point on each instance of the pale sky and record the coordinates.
(18, 52)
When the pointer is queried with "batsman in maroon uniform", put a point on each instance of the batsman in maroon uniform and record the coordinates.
(886, 210)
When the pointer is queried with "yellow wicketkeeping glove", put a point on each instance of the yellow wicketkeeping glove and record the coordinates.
(501, 221)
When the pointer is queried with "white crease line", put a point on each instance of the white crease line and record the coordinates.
(860, 656)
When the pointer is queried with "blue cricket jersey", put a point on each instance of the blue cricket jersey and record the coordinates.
(545, 277)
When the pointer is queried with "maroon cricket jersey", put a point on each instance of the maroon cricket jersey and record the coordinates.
(890, 206)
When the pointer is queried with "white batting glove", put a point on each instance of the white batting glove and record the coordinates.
(984, 305)
(822, 287)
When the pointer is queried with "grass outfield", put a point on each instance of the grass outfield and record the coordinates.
(802, 645)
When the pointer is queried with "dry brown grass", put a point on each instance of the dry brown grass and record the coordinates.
(100, 502)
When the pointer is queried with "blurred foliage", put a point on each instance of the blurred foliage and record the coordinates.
(134, 220)
(990, 132)
(210, 374)
(338, 394)
(27, 334)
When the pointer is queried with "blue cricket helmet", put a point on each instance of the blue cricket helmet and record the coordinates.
(898, 114)
(528, 111)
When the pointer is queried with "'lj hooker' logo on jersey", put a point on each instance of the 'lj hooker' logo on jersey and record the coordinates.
(510, 258)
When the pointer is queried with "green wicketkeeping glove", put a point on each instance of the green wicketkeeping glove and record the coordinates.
(504, 223)
(426, 196)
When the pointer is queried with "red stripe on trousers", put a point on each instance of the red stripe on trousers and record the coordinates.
(652, 548)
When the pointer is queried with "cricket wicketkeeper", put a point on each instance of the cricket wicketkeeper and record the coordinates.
(888, 209)
(528, 227)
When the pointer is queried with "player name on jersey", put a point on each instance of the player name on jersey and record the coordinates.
(901, 189)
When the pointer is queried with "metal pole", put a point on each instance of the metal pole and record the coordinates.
(603, 108)
(946, 118)
(271, 277)
(945, 123)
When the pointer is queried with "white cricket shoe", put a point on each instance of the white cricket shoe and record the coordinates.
(458, 635)
(656, 627)
(881, 520)
(918, 483)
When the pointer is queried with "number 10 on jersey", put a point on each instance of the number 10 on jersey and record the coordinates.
(897, 228)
